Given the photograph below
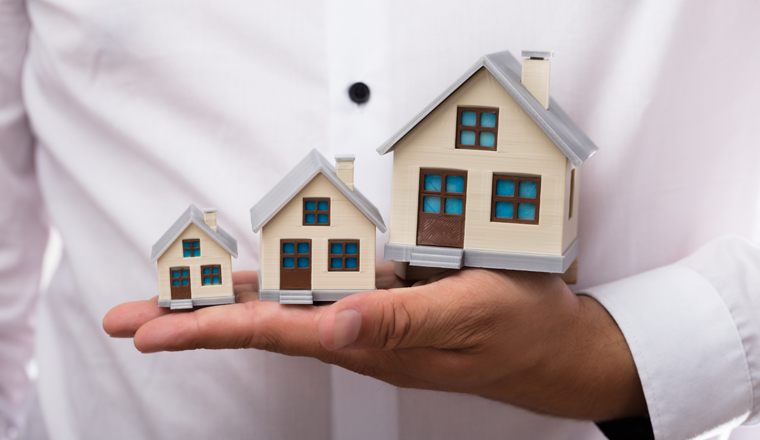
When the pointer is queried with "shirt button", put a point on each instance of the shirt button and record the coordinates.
(359, 93)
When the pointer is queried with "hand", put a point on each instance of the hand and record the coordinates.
(517, 337)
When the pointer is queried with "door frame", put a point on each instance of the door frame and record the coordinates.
(180, 292)
(441, 229)
(295, 278)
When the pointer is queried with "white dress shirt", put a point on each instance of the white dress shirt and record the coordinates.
(115, 116)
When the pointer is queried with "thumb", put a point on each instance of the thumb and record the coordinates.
(384, 320)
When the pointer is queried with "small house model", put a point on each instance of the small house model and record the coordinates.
(487, 175)
(317, 234)
(195, 262)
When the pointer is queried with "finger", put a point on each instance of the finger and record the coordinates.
(421, 316)
(123, 320)
(386, 278)
(245, 277)
(433, 279)
(264, 325)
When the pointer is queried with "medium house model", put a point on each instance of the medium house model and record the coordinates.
(194, 262)
(317, 234)
(487, 175)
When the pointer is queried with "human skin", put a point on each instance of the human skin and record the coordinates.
(516, 337)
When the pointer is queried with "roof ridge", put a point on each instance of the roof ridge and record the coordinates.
(300, 176)
(554, 122)
(192, 215)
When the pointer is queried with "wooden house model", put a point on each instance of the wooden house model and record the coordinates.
(317, 234)
(487, 175)
(194, 260)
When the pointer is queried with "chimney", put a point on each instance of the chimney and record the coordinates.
(344, 164)
(535, 74)
(209, 217)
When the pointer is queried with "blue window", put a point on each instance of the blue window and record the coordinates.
(469, 119)
(296, 254)
(443, 192)
(191, 248)
(316, 212)
(453, 205)
(467, 138)
(431, 204)
(179, 276)
(454, 184)
(211, 275)
(343, 255)
(515, 199)
(433, 182)
(488, 119)
(528, 189)
(477, 128)
(526, 211)
(487, 139)
(505, 188)
(505, 210)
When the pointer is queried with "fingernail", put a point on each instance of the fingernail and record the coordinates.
(348, 322)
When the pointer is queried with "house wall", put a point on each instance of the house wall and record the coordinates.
(570, 226)
(346, 222)
(522, 149)
(211, 253)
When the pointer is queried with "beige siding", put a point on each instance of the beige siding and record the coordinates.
(571, 224)
(522, 149)
(346, 222)
(211, 253)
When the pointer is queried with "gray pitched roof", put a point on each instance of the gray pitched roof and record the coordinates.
(299, 177)
(192, 215)
(568, 137)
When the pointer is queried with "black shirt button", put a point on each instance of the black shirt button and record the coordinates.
(359, 93)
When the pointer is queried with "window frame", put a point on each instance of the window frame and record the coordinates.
(191, 249)
(180, 277)
(316, 211)
(516, 199)
(477, 128)
(343, 256)
(443, 194)
(211, 266)
(295, 255)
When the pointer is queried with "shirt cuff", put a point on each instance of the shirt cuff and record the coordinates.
(687, 350)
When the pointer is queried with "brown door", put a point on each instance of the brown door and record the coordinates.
(440, 219)
(180, 279)
(295, 264)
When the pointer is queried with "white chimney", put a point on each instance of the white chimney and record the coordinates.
(344, 164)
(535, 74)
(209, 217)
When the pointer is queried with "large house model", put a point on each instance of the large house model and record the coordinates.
(317, 234)
(487, 175)
(194, 260)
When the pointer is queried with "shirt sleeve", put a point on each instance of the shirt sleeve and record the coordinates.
(23, 233)
(694, 331)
